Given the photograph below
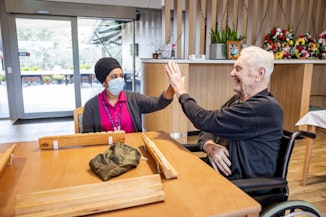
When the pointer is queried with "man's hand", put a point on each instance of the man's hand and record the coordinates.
(176, 80)
(218, 155)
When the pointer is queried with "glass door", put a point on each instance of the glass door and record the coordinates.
(97, 38)
(45, 52)
(4, 107)
(56, 59)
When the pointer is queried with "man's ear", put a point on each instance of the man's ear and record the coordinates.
(261, 74)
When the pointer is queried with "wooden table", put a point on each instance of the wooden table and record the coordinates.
(198, 190)
(312, 119)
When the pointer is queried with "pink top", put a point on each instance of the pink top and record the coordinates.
(111, 116)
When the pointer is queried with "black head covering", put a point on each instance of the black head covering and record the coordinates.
(104, 66)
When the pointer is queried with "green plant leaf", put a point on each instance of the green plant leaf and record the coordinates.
(223, 35)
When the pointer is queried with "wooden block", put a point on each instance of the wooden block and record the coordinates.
(80, 139)
(5, 158)
(164, 165)
(91, 198)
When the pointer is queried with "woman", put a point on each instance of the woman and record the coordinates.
(116, 109)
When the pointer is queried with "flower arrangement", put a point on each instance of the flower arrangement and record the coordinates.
(322, 45)
(280, 42)
(305, 47)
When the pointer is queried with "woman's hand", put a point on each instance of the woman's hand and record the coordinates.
(218, 156)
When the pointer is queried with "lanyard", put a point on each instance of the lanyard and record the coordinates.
(110, 117)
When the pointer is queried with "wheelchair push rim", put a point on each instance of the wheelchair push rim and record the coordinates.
(292, 208)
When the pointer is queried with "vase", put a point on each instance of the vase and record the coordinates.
(217, 51)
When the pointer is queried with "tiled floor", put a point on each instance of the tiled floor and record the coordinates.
(31, 132)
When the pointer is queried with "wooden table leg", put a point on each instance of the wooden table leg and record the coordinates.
(309, 143)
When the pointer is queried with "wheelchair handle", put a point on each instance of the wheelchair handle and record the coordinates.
(307, 134)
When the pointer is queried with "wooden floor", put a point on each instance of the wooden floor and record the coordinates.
(314, 192)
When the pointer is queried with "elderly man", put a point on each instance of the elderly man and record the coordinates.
(242, 139)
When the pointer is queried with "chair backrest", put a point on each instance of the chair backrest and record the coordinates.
(78, 117)
(287, 145)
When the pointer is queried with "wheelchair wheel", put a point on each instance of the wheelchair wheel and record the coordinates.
(292, 208)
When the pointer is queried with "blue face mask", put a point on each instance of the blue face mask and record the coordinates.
(116, 86)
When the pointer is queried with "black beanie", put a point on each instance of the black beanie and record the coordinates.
(104, 66)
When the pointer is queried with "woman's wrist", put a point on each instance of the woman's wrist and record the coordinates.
(169, 93)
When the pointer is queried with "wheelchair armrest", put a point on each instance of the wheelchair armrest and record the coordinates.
(307, 134)
(256, 184)
(192, 147)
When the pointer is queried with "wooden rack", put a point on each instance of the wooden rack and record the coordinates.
(101, 138)
(92, 198)
(5, 158)
(163, 164)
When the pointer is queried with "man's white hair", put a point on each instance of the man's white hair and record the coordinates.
(257, 57)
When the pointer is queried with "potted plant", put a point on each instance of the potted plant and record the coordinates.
(2, 78)
(58, 78)
(219, 39)
(47, 79)
(84, 66)
(217, 46)
(232, 34)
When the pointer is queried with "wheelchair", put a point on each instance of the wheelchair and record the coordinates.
(272, 193)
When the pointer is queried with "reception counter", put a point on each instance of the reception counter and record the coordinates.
(293, 82)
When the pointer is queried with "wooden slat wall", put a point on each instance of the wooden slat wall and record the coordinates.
(178, 26)
(166, 20)
(210, 21)
(264, 28)
(252, 18)
(191, 25)
(202, 14)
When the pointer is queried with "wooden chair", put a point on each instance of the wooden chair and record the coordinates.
(78, 117)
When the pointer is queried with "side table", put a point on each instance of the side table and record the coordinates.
(312, 119)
